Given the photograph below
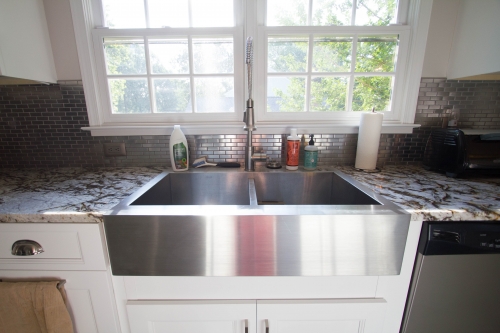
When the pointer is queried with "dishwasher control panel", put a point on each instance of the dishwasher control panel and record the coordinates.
(460, 238)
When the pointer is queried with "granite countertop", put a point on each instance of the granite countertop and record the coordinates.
(84, 195)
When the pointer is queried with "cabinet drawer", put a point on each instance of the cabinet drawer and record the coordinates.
(65, 246)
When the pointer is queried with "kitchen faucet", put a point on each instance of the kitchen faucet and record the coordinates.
(248, 115)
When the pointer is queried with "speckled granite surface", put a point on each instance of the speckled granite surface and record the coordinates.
(431, 196)
(67, 194)
(82, 195)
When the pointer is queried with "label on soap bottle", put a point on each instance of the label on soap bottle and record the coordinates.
(310, 160)
(180, 156)
(292, 156)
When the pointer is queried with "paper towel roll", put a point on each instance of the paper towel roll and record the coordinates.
(370, 127)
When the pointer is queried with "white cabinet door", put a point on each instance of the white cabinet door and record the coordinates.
(90, 297)
(191, 316)
(321, 316)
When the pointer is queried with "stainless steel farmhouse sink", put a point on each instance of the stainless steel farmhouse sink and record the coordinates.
(236, 223)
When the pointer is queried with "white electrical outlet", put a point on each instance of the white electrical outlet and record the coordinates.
(115, 149)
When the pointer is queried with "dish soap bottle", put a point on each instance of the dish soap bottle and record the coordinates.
(311, 155)
(179, 150)
(292, 150)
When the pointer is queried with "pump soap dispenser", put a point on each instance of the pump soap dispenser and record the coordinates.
(311, 155)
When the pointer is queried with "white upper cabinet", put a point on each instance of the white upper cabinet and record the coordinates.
(463, 40)
(25, 48)
(476, 44)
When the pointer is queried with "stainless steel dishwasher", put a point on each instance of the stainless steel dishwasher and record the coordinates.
(456, 279)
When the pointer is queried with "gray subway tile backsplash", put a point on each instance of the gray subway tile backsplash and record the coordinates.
(41, 128)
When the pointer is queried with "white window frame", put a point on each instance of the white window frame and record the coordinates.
(412, 29)
(179, 118)
(334, 116)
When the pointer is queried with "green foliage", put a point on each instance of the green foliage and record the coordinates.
(329, 94)
(333, 55)
(287, 55)
(126, 58)
(332, 12)
(293, 100)
(379, 12)
(294, 14)
(376, 54)
(369, 92)
(172, 95)
(130, 96)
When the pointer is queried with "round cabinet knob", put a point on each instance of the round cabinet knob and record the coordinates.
(26, 247)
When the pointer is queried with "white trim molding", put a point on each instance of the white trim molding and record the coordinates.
(204, 129)
(419, 17)
(83, 23)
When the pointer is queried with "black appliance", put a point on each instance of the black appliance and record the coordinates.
(455, 151)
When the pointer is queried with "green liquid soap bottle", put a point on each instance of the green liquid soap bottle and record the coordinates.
(179, 153)
(311, 155)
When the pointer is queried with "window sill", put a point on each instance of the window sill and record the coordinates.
(204, 129)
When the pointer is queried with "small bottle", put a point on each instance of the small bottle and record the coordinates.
(179, 150)
(292, 150)
(453, 121)
(311, 155)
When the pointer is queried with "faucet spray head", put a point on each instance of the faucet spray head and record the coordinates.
(248, 115)
(249, 51)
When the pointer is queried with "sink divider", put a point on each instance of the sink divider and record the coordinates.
(252, 193)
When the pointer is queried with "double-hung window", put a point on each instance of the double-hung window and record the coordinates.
(147, 64)
(169, 61)
(325, 60)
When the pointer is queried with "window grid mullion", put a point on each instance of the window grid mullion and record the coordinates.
(309, 14)
(353, 14)
(152, 99)
(190, 15)
(307, 106)
(351, 78)
(191, 68)
(146, 12)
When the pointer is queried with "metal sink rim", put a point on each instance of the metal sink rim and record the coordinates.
(385, 207)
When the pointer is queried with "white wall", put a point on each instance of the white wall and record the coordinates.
(62, 37)
(440, 38)
(476, 44)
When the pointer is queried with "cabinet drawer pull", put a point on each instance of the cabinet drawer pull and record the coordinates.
(266, 321)
(26, 247)
(246, 325)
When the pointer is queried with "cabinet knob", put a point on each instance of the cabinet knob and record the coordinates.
(26, 247)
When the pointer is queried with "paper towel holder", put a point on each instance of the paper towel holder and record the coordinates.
(368, 171)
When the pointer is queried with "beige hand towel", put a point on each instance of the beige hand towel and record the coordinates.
(33, 307)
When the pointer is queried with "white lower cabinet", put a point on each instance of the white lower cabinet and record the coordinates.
(90, 299)
(261, 316)
(74, 253)
(321, 316)
(191, 316)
